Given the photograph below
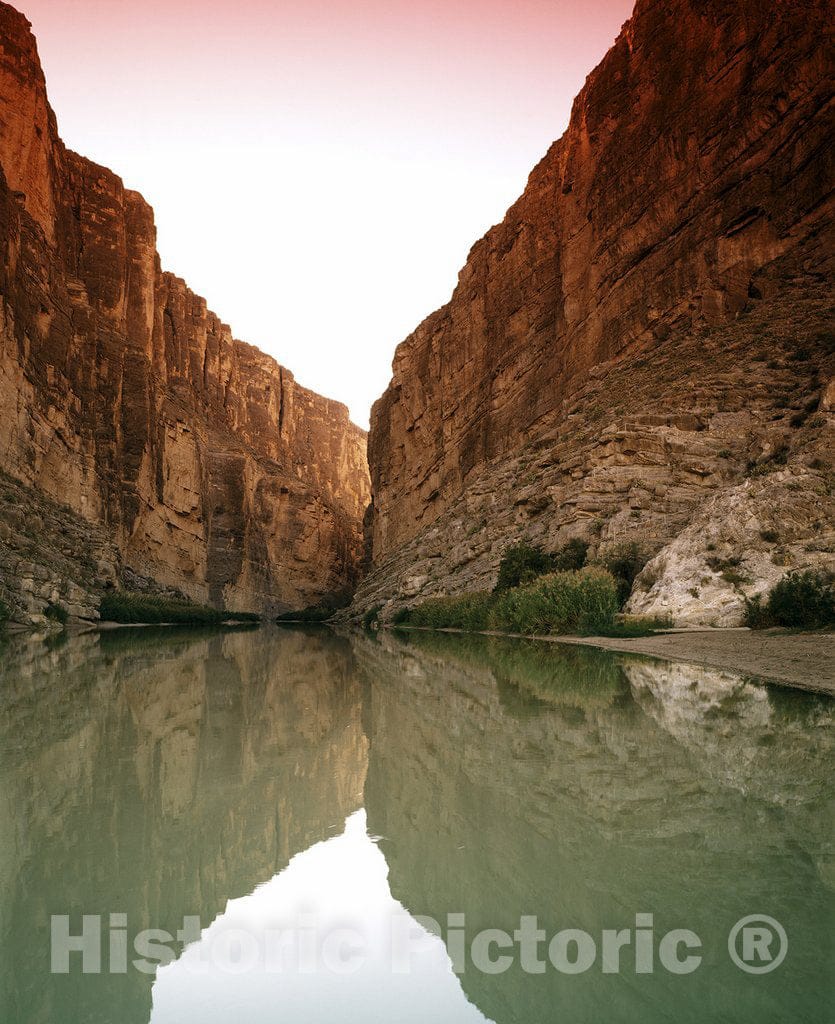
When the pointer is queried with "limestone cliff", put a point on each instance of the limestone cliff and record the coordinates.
(126, 399)
(650, 324)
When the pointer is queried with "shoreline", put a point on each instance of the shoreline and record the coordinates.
(800, 661)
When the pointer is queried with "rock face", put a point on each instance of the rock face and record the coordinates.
(125, 398)
(649, 325)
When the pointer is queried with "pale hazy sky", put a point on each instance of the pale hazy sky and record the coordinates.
(320, 169)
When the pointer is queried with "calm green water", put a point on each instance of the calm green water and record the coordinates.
(310, 800)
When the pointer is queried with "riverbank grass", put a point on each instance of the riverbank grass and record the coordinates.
(584, 601)
(128, 608)
(579, 601)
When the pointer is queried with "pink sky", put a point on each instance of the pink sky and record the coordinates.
(319, 169)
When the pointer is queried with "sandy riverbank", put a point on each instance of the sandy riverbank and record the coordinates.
(802, 660)
(805, 661)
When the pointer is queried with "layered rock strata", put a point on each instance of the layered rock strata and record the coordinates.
(125, 398)
(649, 326)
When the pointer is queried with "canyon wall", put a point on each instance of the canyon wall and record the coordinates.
(127, 400)
(649, 328)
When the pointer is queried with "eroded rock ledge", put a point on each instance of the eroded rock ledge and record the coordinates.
(127, 400)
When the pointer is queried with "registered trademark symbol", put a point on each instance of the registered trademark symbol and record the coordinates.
(758, 944)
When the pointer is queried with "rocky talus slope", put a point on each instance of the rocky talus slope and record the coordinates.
(125, 399)
(643, 350)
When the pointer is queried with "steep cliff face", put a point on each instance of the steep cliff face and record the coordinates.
(649, 322)
(124, 397)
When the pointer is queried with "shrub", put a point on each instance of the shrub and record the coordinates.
(624, 562)
(313, 613)
(57, 612)
(571, 556)
(804, 600)
(125, 607)
(401, 617)
(464, 611)
(770, 536)
(520, 564)
(564, 602)
(636, 626)
(5, 613)
(757, 615)
(240, 616)
(523, 563)
(371, 619)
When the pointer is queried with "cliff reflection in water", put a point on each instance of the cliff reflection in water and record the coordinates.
(513, 778)
(164, 774)
(160, 776)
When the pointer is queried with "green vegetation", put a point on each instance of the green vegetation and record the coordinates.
(540, 593)
(57, 612)
(371, 619)
(632, 627)
(583, 601)
(124, 607)
(520, 564)
(466, 611)
(314, 613)
(800, 600)
(5, 613)
(624, 562)
(571, 557)
(523, 563)
(563, 602)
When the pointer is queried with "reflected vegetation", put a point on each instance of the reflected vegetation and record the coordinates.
(163, 773)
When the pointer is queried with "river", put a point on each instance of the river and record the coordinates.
(321, 827)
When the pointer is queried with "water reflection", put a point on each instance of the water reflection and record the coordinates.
(330, 913)
(581, 787)
(162, 775)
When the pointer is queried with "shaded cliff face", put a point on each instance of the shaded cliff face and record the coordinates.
(649, 322)
(124, 397)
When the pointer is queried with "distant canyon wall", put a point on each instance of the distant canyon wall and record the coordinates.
(651, 321)
(125, 398)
